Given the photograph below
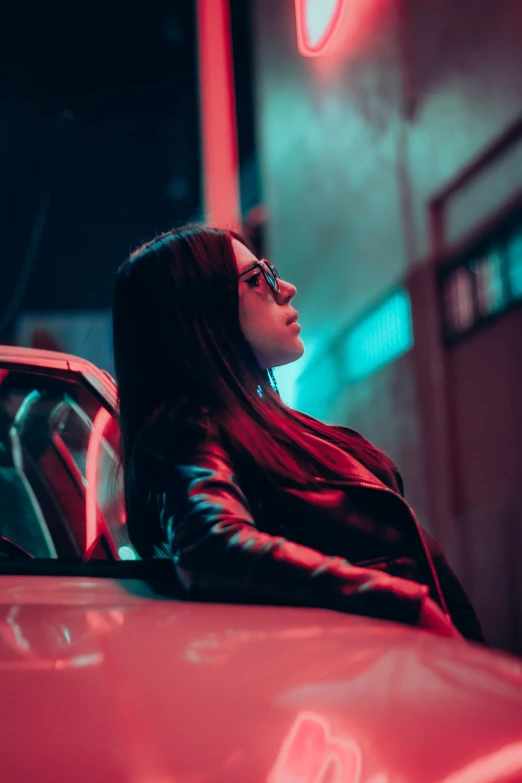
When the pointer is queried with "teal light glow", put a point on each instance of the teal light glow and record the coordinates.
(489, 283)
(380, 338)
(319, 385)
(514, 257)
(127, 553)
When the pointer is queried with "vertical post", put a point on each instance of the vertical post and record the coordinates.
(218, 114)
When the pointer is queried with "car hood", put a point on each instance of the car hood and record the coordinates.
(103, 681)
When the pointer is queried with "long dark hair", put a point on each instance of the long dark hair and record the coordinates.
(183, 367)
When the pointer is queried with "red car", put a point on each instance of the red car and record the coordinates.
(108, 674)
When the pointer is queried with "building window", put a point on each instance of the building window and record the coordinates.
(489, 283)
(482, 282)
(379, 338)
(459, 300)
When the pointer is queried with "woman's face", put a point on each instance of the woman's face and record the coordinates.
(267, 319)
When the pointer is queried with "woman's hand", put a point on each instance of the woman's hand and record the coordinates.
(433, 619)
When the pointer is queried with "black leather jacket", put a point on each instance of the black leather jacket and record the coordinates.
(352, 545)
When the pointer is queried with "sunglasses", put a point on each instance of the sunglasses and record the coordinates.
(269, 273)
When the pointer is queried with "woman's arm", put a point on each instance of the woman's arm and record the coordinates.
(219, 553)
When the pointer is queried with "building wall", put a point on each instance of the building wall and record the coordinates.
(329, 147)
(486, 392)
(466, 62)
(355, 152)
(336, 142)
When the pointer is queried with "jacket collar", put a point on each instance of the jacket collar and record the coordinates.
(355, 471)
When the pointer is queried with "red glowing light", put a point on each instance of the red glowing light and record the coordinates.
(101, 421)
(318, 22)
(218, 114)
(309, 752)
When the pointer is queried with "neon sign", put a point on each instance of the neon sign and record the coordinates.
(317, 22)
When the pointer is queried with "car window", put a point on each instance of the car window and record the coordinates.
(60, 484)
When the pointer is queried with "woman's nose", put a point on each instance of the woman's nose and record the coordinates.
(287, 291)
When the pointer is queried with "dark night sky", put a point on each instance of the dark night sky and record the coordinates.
(129, 162)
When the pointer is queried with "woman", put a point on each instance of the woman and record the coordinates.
(253, 500)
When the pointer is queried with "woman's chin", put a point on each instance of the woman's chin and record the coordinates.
(291, 354)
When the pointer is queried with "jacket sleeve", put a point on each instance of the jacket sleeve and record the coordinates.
(219, 553)
(462, 613)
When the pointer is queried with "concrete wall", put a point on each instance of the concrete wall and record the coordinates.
(329, 148)
(337, 145)
(354, 151)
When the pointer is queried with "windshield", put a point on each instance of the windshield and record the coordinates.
(60, 484)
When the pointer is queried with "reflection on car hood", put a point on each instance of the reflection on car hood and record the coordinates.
(102, 681)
